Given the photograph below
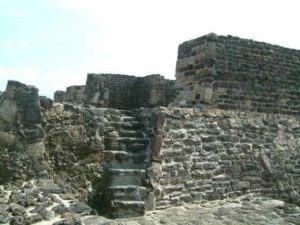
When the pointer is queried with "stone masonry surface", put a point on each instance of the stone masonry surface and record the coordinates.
(232, 73)
(215, 154)
(225, 151)
(128, 92)
(59, 96)
(75, 94)
(120, 91)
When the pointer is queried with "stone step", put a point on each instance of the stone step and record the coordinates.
(128, 193)
(111, 143)
(131, 133)
(121, 177)
(128, 119)
(132, 125)
(126, 209)
(126, 143)
(136, 147)
(116, 155)
(131, 140)
(123, 159)
(128, 112)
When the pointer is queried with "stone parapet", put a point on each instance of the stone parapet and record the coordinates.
(228, 72)
(128, 92)
(120, 91)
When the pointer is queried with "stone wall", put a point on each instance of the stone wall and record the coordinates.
(181, 154)
(194, 154)
(75, 94)
(120, 91)
(21, 133)
(215, 154)
(20, 105)
(155, 90)
(74, 146)
(107, 89)
(233, 73)
(128, 92)
(59, 96)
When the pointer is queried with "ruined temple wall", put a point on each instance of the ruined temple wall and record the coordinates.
(233, 73)
(214, 154)
(20, 105)
(75, 94)
(128, 92)
(59, 96)
(108, 90)
(155, 90)
(21, 133)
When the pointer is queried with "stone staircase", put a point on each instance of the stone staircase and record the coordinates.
(126, 159)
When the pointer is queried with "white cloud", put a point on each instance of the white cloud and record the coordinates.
(137, 38)
(181, 20)
(47, 81)
(59, 79)
(142, 37)
(8, 71)
(23, 45)
(13, 12)
(7, 44)
(27, 75)
(24, 74)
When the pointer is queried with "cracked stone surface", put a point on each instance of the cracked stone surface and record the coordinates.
(36, 203)
(249, 209)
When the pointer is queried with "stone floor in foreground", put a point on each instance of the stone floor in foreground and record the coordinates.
(42, 202)
(245, 210)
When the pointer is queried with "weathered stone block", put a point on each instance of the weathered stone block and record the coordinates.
(209, 166)
(208, 138)
(171, 167)
(212, 147)
(240, 185)
(197, 175)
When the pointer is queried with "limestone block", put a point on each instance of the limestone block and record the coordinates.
(36, 150)
(208, 95)
(45, 102)
(7, 138)
(58, 108)
(8, 110)
(240, 185)
(31, 113)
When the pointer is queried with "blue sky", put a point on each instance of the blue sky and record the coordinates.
(54, 43)
(43, 44)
